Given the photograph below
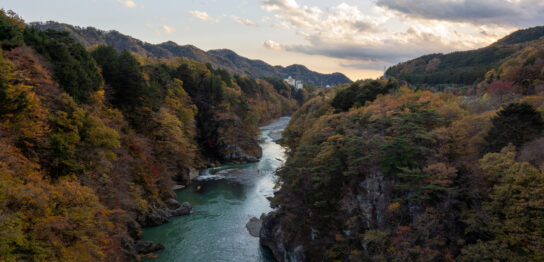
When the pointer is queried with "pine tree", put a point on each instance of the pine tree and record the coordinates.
(517, 123)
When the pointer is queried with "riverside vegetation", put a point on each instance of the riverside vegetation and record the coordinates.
(387, 170)
(91, 141)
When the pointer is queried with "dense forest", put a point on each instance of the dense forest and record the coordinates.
(93, 141)
(379, 171)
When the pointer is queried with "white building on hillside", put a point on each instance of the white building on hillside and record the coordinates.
(298, 84)
(294, 83)
(291, 81)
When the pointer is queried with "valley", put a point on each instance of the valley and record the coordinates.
(116, 149)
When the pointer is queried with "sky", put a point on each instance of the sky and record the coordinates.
(356, 37)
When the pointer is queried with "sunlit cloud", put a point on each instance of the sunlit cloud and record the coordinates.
(243, 21)
(272, 45)
(371, 38)
(203, 16)
(127, 3)
(168, 29)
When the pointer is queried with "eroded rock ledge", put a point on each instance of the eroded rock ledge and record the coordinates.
(160, 216)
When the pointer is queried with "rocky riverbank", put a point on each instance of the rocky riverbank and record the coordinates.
(224, 198)
(161, 215)
(156, 217)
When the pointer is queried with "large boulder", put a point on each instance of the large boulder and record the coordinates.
(172, 203)
(254, 226)
(183, 209)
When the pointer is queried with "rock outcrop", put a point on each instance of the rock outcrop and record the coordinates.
(146, 247)
(273, 237)
(186, 175)
(160, 216)
(368, 202)
(183, 209)
(254, 225)
(235, 154)
(178, 187)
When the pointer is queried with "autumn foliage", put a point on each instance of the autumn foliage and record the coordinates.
(404, 177)
(91, 143)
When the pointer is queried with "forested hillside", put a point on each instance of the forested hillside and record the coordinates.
(92, 142)
(467, 67)
(382, 172)
(221, 58)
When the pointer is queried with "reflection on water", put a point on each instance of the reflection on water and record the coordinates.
(228, 197)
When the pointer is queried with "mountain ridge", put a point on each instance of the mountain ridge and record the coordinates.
(220, 58)
(465, 67)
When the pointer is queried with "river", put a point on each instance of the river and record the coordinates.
(228, 197)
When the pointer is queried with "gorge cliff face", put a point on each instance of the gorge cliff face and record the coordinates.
(409, 175)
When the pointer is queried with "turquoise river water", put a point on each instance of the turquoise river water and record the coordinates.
(228, 197)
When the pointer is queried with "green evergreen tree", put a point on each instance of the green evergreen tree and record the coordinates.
(106, 57)
(11, 30)
(74, 68)
(517, 123)
(129, 84)
(361, 92)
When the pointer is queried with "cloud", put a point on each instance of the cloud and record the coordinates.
(168, 29)
(292, 14)
(127, 3)
(502, 12)
(203, 16)
(272, 45)
(363, 64)
(379, 35)
(342, 19)
(400, 46)
(243, 21)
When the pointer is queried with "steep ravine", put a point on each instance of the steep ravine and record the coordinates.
(223, 200)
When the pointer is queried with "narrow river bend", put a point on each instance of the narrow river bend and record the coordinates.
(228, 197)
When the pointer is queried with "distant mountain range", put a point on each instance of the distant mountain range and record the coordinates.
(467, 67)
(221, 58)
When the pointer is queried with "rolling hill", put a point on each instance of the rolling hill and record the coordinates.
(466, 67)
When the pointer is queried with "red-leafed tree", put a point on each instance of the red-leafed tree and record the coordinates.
(501, 89)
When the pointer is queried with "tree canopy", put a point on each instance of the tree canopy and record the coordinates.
(517, 123)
